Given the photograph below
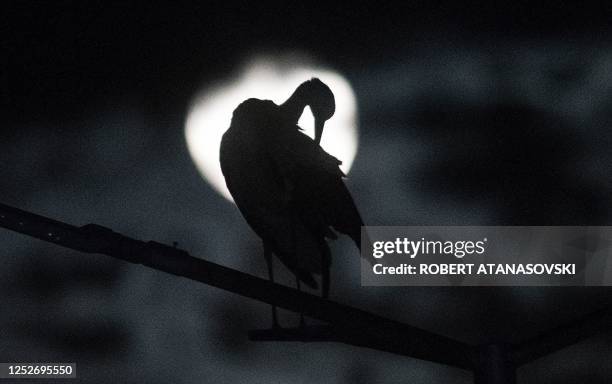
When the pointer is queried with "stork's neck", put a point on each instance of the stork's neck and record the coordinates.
(294, 106)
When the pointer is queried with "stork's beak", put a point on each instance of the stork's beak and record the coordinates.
(319, 123)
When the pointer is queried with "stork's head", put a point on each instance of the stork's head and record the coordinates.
(318, 97)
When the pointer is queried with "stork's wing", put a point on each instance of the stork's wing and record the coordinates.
(294, 151)
(258, 191)
(314, 180)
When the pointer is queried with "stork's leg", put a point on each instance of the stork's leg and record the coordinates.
(325, 282)
(294, 250)
(268, 257)
(325, 266)
(299, 288)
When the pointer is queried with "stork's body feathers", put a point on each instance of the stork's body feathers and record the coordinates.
(290, 191)
(319, 189)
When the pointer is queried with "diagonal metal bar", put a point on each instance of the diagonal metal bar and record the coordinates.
(562, 336)
(351, 325)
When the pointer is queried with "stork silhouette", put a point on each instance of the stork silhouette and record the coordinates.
(290, 191)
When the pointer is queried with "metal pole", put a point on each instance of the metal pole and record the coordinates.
(352, 325)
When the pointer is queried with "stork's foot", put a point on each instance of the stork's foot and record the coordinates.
(302, 322)
(275, 324)
(308, 334)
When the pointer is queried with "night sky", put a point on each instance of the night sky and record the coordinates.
(483, 115)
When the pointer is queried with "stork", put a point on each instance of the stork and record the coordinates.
(290, 191)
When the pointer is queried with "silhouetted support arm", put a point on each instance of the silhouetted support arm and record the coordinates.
(350, 325)
(562, 336)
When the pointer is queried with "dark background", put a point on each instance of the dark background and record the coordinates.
(495, 114)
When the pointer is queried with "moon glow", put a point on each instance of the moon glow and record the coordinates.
(266, 78)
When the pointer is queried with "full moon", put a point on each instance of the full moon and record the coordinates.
(266, 78)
